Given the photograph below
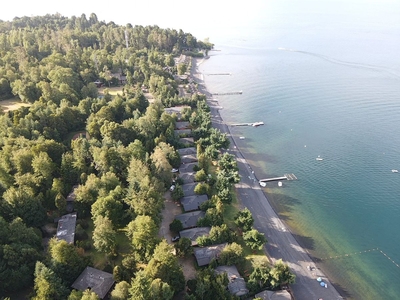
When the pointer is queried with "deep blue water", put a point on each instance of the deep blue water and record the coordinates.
(325, 80)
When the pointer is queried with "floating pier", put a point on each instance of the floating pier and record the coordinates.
(228, 93)
(289, 176)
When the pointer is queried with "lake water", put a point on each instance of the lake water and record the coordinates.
(325, 80)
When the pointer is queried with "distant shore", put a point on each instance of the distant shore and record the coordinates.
(300, 262)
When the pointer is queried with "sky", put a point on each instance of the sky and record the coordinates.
(207, 16)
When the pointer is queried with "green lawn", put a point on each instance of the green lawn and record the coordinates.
(100, 260)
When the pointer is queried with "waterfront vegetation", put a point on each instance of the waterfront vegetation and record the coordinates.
(121, 163)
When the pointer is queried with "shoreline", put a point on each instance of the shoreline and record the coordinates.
(281, 241)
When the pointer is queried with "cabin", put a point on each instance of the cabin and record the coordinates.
(205, 255)
(190, 219)
(95, 280)
(193, 233)
(193, 202)
(66, 228)
(236, 285)
(188, 189)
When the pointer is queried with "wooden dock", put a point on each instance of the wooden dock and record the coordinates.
(289, 176)
(228, 93)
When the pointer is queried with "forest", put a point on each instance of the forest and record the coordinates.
(116, 152)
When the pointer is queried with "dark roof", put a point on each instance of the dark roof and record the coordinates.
(190, 219)
(182, 125)
(187, 177)
(175, 110)
(66, 228)
(186, 140)
(71, 196)
(188, 158)
(185, 168)
(194, 233)
(187, 132)
(236, 285)
(97, 281)
(193, 202)
(205, 255)
(186, 151)
(188, 189)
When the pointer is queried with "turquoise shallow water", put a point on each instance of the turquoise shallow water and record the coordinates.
(337, 98)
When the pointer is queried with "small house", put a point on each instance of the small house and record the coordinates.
(190, 219)
(205, 255)
(95, 280)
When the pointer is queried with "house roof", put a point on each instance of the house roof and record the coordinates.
(186, 141)
(205, 255)
(182, 125)
(66, 228)
(190, 219)
(194, 233)
(97, 281)
(193, 202)
(274, 295)
(188, 189)
(176, 110)
(186, 151)
(183, 131)
(71, 196)
(187, 177)
(236, 285)
(185, 168)
(188, 158)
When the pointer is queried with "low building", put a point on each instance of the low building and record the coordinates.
(95, 280)
(66, 228)
(236, 285)
(274, 295)
(183, 132)
(71, 199)
(186, 141)
(189, 158)
(187, 168)
(187, 151)
(177, 110)
(187, 177)
(193, 233)
(182, 125)
(193, 202)
(188, 189)
(189, 220)
(205, 255)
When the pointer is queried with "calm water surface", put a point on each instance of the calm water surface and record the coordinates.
(325, 80)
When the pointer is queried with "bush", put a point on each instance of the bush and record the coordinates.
(176, 226)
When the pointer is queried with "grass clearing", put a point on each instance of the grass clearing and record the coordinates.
(113, 91)
(12, 104)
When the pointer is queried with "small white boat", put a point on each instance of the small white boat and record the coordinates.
(255, 124)
(242, 137)
(319, 158)
(279, 183)
(395, 171)
(262, 184)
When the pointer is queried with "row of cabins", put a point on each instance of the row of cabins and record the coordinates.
(97, 281)
(191, 204)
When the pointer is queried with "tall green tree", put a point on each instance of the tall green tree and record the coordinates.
(143, 235)
(47, 285)
(165, 265)
(254, 239)
(104, 236)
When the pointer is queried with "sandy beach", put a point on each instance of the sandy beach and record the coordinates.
(281, 242)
